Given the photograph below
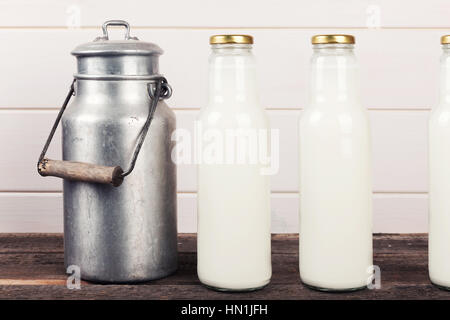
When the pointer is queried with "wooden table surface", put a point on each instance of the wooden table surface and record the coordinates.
(31, 267)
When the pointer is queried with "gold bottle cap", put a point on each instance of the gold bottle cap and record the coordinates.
(333, 38)
(231, 38)
(445, 39)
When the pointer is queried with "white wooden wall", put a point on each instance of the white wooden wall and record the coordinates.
(397, 46)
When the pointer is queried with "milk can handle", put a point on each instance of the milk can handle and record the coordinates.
(158, 89)
(116, 23)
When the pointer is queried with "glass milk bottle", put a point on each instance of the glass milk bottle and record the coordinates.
(233, 196)
(335, 172)
(439, 178)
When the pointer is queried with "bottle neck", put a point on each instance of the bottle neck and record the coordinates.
(444, 87)
(334, 75)
(232, 75)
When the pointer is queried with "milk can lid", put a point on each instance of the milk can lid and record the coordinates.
(102, 46)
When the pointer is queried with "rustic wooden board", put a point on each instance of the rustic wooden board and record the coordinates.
(31, 267)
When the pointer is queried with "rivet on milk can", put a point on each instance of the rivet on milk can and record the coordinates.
(119, 224)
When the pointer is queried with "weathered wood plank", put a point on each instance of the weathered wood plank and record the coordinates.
(272, 291)
(394, 267)
(30, 242)
(32, 266)
(281, 243)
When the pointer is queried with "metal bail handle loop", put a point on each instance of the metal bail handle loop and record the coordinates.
(158, 89)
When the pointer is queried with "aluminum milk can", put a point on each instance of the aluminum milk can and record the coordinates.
(119, 180)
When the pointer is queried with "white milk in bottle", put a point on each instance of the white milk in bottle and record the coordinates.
(439, 175)
(335, 172)
(233, 196)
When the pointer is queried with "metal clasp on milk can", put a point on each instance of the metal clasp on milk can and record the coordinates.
(129, 233)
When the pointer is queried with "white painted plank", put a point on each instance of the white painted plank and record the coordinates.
(33, 212)
(231, 13)
(392, 213)
(42, 212)
(399, 68)
(400, 213)
(399, 150)
(23, 134)
(187, 212)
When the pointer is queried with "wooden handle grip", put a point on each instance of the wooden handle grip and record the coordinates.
(81, 171)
